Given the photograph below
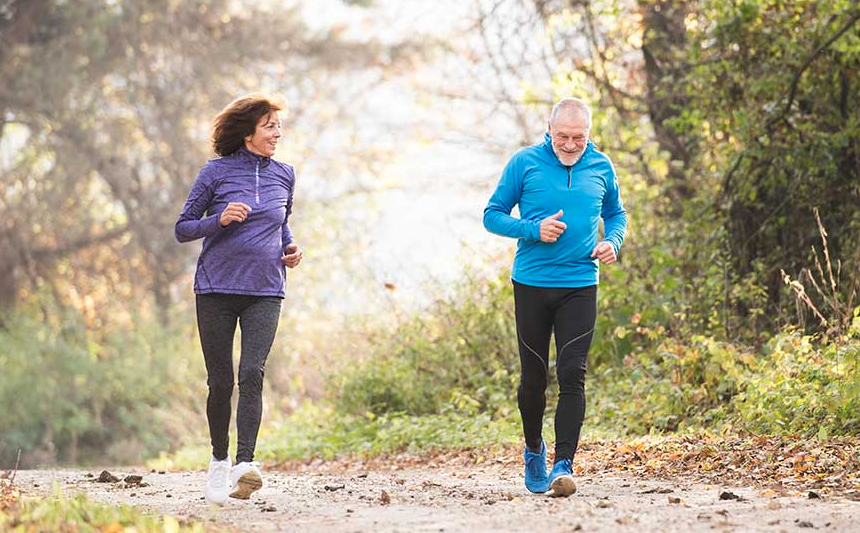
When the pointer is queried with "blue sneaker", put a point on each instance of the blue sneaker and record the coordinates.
(561, 478)
(536, 479)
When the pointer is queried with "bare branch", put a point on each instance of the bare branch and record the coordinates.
(797, 75)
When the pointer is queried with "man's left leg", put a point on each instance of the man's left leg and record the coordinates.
(574, 328)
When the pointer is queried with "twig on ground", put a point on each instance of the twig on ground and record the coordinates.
(15, 470)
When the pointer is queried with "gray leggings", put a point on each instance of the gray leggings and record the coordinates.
(216, 320)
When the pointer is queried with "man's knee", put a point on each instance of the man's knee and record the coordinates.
(533, 387)
(571, 375)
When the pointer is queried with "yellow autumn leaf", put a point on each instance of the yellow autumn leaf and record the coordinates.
(114, 527)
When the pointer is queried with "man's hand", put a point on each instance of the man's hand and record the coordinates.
(605, 252)
(293, 256)
(551, 227)
(234, 212)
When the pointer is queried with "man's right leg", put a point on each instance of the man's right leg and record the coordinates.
(534, 327)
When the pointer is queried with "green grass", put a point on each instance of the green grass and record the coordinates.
(61, 513)
(323, 432)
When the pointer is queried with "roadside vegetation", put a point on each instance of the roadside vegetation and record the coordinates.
(76, 514)
(733, 310)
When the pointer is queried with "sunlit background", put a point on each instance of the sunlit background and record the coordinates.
(728, 124)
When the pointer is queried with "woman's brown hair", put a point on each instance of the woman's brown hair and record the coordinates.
(239, 119)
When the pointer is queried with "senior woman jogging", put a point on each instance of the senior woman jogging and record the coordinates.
(239, 205)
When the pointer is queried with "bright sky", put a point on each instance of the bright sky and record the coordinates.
(425, 227)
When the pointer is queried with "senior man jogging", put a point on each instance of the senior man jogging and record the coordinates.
(563, 186)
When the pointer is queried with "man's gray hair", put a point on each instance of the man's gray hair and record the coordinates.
(566, 105)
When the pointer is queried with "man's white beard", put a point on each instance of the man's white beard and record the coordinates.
(576, 158)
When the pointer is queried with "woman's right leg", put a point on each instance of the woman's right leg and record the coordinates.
(216, 322)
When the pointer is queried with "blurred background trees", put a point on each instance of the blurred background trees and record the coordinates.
(105, 110)
(728, 123)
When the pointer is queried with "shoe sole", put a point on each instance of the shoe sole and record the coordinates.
(247, 485)
(214, 500)
(563, 486)
(541, 490)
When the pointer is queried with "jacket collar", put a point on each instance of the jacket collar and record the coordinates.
(246, 154)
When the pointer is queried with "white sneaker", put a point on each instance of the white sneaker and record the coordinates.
(218, 481)
(245, 479)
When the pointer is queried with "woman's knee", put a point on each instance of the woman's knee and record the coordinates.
(221, 391)
(251, 382)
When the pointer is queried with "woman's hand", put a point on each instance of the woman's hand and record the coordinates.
(292, 256)
(234, 212)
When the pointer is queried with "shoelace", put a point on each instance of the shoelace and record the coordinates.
(220, 475)
(534, 464)
(564, 466)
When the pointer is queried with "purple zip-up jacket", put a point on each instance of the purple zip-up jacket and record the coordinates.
(244, 257)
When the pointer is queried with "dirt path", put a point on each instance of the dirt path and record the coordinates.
(451, 499)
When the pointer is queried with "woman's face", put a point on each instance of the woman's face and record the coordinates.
(266, 135)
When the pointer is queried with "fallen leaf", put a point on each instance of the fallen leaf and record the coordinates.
(113, 527)
(107, 477)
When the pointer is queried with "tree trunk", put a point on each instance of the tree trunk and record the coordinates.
(663, 42)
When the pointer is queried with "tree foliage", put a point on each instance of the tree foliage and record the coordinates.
(772, 86)
(728, 122)
(104, 115)
(105, 110)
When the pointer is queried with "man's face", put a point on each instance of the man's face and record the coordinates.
(265, 138)
(569, 134)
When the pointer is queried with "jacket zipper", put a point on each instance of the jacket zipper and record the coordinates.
(257, 184)
(569, 176)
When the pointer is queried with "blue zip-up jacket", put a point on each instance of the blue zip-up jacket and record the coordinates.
(535, 179)
(244, 257)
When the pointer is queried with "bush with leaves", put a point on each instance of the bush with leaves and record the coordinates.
(73, 398)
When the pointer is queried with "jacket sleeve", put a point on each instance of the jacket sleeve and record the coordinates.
(613, 213)
(286, 234)
(191, 224)
(497, 214)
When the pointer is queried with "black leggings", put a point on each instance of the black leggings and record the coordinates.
(216, 320)
(571, 312)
